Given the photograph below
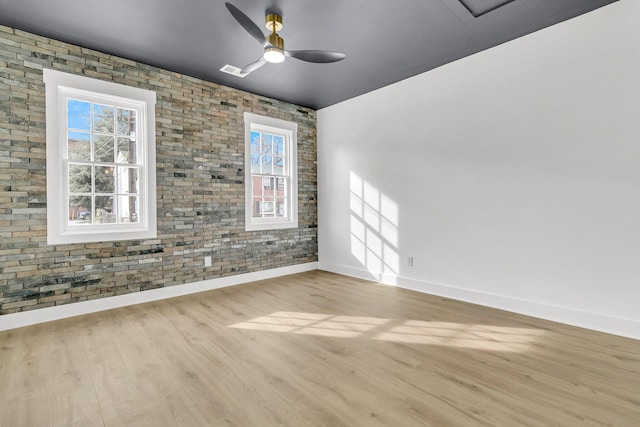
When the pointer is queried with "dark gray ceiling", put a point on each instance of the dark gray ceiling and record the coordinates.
(385, 40)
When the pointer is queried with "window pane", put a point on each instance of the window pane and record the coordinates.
(256, 207)
(126, 150)
(278, 155)
(80, 210)
(268, 185)
(263, 207)
(103, 148)
(128, 210)
(281, 207)
(128, 180)
(103, 117)
(278, 144)
(257, 186)
(267, 151)
(267, 207)
(255, 142)
(267, 144)
(126, 121)
(255, 163)
(104, 179)
(266, 164)
(104, 210)
(79, 146)
(78, 115)
(281, 187)
(278, 165)
(79, 178)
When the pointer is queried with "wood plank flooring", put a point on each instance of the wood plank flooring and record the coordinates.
(315, 349)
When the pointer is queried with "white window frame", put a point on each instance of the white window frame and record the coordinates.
(60, 87)
(290, 130)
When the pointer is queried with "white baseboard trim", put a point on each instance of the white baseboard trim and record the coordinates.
(26, 318)
(598, 322)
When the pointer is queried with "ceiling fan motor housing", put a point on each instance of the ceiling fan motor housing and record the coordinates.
(276, 41)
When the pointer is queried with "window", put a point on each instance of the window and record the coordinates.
(271, 189)
(100, 160)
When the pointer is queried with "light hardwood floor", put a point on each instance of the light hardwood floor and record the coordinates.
(315, 349)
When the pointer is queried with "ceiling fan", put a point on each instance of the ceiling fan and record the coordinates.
(273, 44)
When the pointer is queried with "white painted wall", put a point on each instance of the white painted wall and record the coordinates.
(512, 176)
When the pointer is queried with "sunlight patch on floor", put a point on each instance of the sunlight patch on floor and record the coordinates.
(312, 324)
(481, 337)
(450, 334)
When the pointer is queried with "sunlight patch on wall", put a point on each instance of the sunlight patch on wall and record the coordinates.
(449, 334)
(374, 228)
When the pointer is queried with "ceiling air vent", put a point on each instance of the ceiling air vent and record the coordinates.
(234, 71)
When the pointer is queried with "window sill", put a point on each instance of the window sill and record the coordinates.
(96, 237)
(270, 225)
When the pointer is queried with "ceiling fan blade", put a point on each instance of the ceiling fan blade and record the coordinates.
(246, 22)
(253, 66)
(317, 56)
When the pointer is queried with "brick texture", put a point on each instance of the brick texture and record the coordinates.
(200, 184)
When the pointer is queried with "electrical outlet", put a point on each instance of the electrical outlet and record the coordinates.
(410, 261)
(207, 261)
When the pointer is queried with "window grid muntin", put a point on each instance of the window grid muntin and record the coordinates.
(258, 206)
(116, 194)
(117, 105)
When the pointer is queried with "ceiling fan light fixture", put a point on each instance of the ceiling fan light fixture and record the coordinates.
(273, 54)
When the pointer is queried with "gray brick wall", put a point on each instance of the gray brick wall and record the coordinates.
(200, 184)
